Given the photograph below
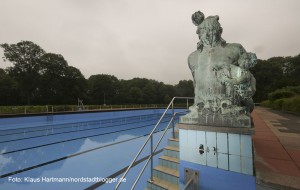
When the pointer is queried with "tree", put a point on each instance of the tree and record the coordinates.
(295, 71)
(135, 95)
(185, 88)
(166, 93)
(53, 70)
(128, 91)
(103, 87)
(149, 94)
(9, 90)
(43, 78)
(275, 73)
(75, 85)
(25, 57)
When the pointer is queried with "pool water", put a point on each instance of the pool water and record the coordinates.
(43, 152)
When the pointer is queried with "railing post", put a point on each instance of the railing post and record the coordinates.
(151, 157)
(187, 103)
(173, 130)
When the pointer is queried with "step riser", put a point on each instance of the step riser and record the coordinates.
(166, 177)
(176, 135)
(169, 164)
(154, 187)
(160, 175)
(171, 153)
(173, 143)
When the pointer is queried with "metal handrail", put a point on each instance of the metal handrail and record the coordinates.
(151, 156)
(188, 183)
(150, 137)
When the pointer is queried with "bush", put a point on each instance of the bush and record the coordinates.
(277, 104)
(295, 89)
(280, 93)
(266, 103)
(292, 104)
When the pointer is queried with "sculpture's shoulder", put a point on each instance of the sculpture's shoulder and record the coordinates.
(194, 55)
(236, 48)
(192, 59)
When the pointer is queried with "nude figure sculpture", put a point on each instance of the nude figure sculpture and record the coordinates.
(223, 84)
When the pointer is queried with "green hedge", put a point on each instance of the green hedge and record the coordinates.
(280, 93)
(291, 104)
(286, 99)
(266, 103)
(295, 89)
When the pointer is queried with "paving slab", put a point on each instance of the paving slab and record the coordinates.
(270, 149)
(277, 149)
(295, 155)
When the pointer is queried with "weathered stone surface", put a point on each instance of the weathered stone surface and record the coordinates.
(223, 84)
(232, 130)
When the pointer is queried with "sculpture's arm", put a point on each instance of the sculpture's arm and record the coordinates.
(193, 66)
(245, 77)
(253, 84)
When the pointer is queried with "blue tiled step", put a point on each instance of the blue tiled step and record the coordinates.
(167, 174)
(173, 142)
(159, 184)
(169, 162)
(171, 151)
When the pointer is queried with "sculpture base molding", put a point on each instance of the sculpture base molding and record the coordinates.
(217, 120)
(234, 130)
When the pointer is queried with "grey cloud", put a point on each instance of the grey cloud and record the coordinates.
(146, 38)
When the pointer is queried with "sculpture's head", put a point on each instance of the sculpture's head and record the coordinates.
(209, 29)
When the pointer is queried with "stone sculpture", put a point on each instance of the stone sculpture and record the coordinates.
(223, 84)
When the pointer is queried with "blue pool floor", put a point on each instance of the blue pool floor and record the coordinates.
(97, 148)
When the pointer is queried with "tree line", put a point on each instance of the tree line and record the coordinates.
(275, 73)
(41, 78)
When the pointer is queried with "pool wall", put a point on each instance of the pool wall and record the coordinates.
(57, 119)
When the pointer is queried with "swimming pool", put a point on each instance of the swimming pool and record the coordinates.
(76, 151)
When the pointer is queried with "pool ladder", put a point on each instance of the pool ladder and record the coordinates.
(173, 140)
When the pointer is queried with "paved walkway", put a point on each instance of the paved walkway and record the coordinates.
(276, 149)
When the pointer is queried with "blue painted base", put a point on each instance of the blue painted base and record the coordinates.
(214, 179)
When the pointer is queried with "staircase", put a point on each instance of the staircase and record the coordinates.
(166, 174)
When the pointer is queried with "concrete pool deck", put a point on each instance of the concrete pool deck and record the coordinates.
(277, 149)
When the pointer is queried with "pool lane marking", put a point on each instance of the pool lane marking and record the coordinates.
(45, 126)
(69, 156)
(75, 139)
(114, 175)
(72, 131)
(101, 127)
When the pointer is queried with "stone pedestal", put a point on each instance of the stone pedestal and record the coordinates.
(217, 120)
(222, 155)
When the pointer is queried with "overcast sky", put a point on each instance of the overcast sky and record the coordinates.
(146, 38)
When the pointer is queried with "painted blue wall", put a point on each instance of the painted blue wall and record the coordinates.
(214, 179)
